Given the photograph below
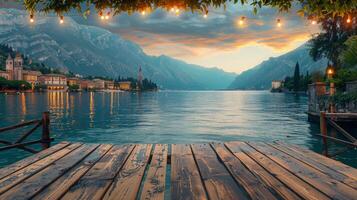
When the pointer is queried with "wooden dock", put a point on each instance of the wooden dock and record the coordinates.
(233, 170)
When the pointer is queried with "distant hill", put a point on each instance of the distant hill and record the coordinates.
(95, 51)
(260, 76)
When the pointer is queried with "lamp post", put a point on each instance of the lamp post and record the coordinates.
(330, 73)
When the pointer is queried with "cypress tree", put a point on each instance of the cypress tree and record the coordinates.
(297, 77)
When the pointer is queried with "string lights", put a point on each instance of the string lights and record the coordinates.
(348, 19)
(61, 21)
(241, 21)
(32, 20)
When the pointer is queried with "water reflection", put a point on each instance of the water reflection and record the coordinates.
(169, 117)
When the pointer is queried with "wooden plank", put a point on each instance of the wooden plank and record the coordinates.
(266, 178)
(318, 166)
(252, 185)
(59, 187)
(333, 164)
(97, 180)
(127, 182)
(19, 176)
(29, 187)
(297, 185)
(186, 182)
(217, 180)
(332, 188)
(6, 171)
(154, 185)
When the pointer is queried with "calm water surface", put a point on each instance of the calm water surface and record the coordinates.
(166, 117)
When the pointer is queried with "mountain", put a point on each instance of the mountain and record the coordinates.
(90, 50)
(260, 76)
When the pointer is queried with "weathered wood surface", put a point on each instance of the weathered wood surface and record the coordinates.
(232, 170)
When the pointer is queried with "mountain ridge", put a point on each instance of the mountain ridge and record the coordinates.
(91, 50)
(277, 68)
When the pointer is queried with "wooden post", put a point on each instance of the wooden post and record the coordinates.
(46, 141)
(323, 130)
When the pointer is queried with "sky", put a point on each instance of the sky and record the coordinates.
(215, 41)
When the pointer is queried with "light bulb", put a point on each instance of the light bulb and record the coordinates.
(313, 22)
(32, 20)
(107, 15)
(205, 16)
(348, 20)
(241, 21)
(61, 20)
(177, 10)
(143, 12)
(172, 9)
(278, 23)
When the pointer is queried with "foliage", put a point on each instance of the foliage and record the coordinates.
(344, 98)
(317, 76)
(330, 43)
(297, 77)
(73, 87)
(349, 55)
(14, 85)
(307, 7)
(344, 75)
(144, 86)
(299, 83)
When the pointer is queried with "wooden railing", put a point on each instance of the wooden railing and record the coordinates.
(20, 143)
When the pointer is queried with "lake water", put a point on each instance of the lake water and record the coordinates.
(166, 117)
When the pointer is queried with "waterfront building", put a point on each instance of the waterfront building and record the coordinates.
(31, 77)
(125, 85)
(4, 74)
(54, 82)
(109, 85)
(99, 84)
(86, 84)
(73, 81)
(277, 84)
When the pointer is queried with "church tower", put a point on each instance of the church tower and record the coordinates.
(140, 76)
(18, 67)
(10, 67)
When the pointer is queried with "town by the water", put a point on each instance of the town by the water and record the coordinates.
(18, 77)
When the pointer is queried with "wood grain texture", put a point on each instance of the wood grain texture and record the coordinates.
(31, 159)
(154, 185)
(218, 182)
(252, 185)
(97, 180)
(318, 166)
(59, 187)
(127, 182)
(300, 187)
(266, 178)
(328, 162)
(32, 185)
(332, 188)
(19, 176)
(186, 181)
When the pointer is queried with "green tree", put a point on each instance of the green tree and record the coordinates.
(297, 77)
(349, 55)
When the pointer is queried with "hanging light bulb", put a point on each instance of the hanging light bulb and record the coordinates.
(107, 15)
(61, 19)
(241, 20)
(177, 10)
(32, 20)
(313, 22)
(278, 23)
(143, 12)
(101, 15)
(172, 9)
(205, 15)
(348, 19)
